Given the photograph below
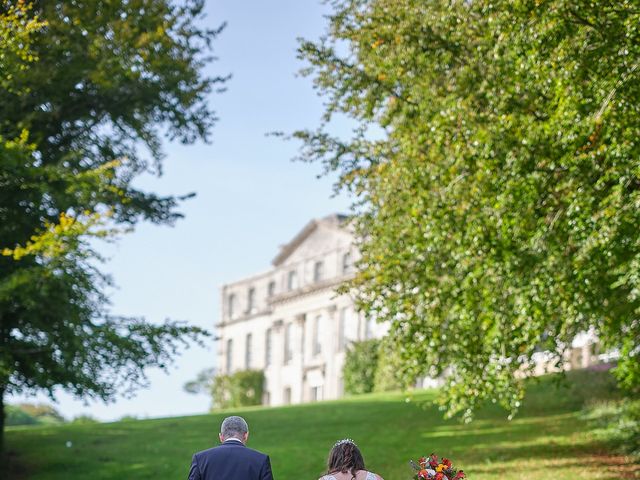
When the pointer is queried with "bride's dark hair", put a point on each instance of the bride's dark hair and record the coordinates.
(345, 457)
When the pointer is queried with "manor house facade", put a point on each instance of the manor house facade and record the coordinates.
(290, 322)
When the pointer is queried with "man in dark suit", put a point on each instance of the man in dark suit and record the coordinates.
(231, 460)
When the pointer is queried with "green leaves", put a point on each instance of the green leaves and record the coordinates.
(87, 90)
(497, 206)
(360, 366)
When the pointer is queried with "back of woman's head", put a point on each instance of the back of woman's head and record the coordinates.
(345, 457)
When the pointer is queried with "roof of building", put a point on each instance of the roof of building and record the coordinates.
(336, 220)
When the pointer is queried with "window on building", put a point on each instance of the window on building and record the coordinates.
(231, 305)
(318, 271)
(229, 355)
(369, 326)
(288, 351)
(267, 348)
(342, 328)
(248, 352)
(251, 300)
(271, 290)
(317, 334)
(266, 398)
(287, 396)
(346, 263)
(316, 394)
(292, 280)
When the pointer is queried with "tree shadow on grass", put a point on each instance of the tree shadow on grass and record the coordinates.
(595, 465)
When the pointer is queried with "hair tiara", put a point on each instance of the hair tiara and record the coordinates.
(343, 441)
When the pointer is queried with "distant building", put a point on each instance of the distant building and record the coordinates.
(289, 321)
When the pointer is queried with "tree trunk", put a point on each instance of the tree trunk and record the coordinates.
(4, 464)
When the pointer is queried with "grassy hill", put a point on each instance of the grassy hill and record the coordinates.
(551, 438)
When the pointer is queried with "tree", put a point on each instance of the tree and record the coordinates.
(91, 87)
(495, 168)
(203, 383)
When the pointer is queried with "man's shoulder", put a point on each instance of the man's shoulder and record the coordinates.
(235, 449)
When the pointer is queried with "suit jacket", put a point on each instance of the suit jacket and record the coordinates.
(230, 461)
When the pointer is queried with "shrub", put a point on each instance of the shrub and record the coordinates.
(240, 389)
(85, 420)
(618, 422)
(386, 376)
(360, 366)
(17, 416)
(33, 414)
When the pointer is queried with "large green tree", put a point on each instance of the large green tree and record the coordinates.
(496, 166)
(88, 90)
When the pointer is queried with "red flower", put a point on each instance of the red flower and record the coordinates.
(446, 462)
(433, 460)
(423, 474)
(439, 476)
(459, 475)
(422, 462)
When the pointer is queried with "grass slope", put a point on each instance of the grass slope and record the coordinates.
(549, 439)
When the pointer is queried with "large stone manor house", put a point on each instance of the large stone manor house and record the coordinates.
(289, 321)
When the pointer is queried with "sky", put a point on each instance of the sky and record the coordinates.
(250, 197)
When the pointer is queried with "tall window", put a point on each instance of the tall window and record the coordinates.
(247, 352)
(317, 334)
(292, 280)
(231, 305)
(251, 300)
(346, 262)
(229, 355)
(287, 395)
(271, 291)
(288, 352)
(342, 327)
(318, 271)
(316, 394)
(267, 348)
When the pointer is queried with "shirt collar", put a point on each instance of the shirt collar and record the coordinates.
(233, 439)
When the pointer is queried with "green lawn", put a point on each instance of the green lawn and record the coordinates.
(550, 439)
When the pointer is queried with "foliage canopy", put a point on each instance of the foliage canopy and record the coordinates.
(88, 88)
(495, 162)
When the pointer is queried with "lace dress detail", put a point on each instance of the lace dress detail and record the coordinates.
(370, 476)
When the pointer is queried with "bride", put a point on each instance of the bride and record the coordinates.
(346, 463)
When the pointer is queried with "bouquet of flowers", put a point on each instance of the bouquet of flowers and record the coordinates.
(432, 468)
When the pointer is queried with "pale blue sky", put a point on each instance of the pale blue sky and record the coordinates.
(251, 197)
